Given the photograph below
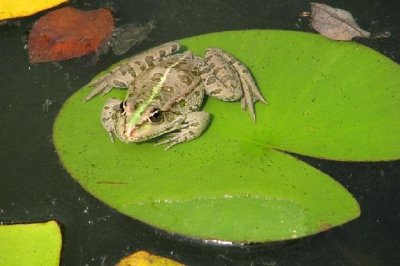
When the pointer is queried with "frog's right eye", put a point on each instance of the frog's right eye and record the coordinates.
(122, 107)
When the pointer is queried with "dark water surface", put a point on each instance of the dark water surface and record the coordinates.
(34, 186)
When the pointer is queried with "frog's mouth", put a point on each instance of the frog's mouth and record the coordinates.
(136, 134)
(130, 132)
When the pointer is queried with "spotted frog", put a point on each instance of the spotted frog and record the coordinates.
(166, 90)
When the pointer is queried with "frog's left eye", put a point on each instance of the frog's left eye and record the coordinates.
(155, 116)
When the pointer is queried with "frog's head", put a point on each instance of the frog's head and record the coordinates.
(140, 122)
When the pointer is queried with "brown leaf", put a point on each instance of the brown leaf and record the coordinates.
(335, 23)
(68, 32)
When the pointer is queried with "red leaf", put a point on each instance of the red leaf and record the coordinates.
(67, 33)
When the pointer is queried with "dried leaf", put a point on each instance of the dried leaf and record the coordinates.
(143, 258)
(129, 35)
(335, 23)
(68, 33)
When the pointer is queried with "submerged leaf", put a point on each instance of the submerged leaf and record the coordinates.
(30, 244)
(143, 258)
(335, 23)
(129, 35)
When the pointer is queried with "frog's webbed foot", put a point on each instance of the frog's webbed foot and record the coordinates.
(226, 78)
(125, 72)
(109, 115)
(193, 126)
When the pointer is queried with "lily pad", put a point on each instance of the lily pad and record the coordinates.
(330, 100)
(30, 244)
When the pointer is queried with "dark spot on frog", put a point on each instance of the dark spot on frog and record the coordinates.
(185, 79)
(182, 103)
(157, 98)
(168, 89)
(216, 70)
(207, 58)
(211, 80)
(215, 91)
(204, 70)
(125, 69)
(149, 60)
(119, 84)
(174, 48)
(225, 78)
(156, 77)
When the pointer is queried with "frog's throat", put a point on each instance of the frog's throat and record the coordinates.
(137, 114)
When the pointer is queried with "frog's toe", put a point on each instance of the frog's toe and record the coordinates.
(171, 140)
(100, 86)
(193, 126)
(105, 84)
(251, 95)
(108, 114)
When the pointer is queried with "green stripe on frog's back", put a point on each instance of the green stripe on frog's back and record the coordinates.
(137, 114)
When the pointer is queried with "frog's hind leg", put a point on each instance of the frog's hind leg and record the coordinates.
(226, 78)
(193, 126)
(125, 72)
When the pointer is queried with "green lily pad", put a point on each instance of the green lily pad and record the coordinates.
(30, 244)
(327, 99)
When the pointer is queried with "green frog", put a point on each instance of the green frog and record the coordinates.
(165, 91)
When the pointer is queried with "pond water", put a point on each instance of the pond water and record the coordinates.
(34, 185)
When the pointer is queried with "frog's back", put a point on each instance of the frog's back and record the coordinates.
(173, 84)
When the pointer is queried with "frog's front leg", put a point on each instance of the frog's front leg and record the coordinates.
(226, 78)
(192, 127)
(109, 116)
(124, 73)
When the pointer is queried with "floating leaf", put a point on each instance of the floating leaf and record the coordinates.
(327, 99)
(10, 9)
(143, 258)
(30, 244)
(335, 23)
(68, 32)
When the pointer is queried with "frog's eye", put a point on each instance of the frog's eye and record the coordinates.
(121, 107)
(155, 116)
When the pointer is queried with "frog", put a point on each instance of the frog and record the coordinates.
(166, 88)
